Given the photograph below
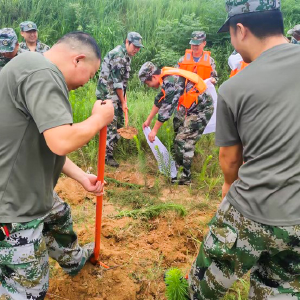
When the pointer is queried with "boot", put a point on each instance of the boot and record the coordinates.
(110, 161)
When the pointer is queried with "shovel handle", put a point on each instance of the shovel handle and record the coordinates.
(99, 205)
(126, 117)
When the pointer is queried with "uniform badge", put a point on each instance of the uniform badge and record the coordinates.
(5, 42)
(30, 25)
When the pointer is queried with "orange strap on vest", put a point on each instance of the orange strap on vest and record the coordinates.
(188, 98)
(241, 66)
(202, 67)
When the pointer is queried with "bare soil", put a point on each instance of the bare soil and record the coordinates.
(137, 251)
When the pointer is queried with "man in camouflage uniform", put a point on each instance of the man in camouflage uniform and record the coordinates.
(112, 84)
(29, 32)
(198, 42)
(188, 124)
(256, 227)
(9, 46)
(36, 123)
(295, 33)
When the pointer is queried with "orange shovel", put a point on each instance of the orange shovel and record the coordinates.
(101, 164)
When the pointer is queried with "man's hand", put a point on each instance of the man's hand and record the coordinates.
(213, 80)
(104, 110)
(152, 135)
(225, 189)
(146, 124)
(124, 106)
(90, 184)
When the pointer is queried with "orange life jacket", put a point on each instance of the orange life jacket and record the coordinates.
(188, 98)
(202, 67)
(241, 66)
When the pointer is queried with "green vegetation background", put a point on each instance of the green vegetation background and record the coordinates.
(166, 26)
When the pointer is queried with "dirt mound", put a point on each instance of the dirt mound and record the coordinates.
(138, 251)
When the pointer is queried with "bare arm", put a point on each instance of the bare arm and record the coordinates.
(152, 114)
(231, 158)
(154, 131)
(66, 138)
(88, 181)
(122, 99)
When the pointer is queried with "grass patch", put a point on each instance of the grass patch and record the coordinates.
(118, 183)
(153, 211)
(134, 198)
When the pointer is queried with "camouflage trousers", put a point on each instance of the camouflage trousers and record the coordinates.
(234, 245)
(188, 130)
(118, 122)
(24, 255)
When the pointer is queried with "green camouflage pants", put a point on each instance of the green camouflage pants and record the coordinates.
(235, 245)
(188, 130)
(118, 122)
(24, 266)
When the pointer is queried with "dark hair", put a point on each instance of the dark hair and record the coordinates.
(156, 72)
(82, 38)
(129, 42)
(261, 24)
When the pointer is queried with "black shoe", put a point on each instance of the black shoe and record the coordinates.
(110, 161)
(181, 181)
(184, 181)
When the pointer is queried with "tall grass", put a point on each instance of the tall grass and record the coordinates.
(164, 24)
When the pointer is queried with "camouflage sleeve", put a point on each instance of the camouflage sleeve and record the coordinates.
(214, 73)
(179, 61)
(173, 91)
(119, 72)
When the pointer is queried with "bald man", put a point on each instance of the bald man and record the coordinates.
(36, 133)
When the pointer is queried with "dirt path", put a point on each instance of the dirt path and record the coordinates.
(138, 251)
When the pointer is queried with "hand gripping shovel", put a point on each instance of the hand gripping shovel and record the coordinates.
(127, 132)
(101, 164)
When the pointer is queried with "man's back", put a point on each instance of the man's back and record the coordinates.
(34, 98)
(262, 108)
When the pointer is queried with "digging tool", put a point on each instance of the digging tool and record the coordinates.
(101, 165)
(127, 132)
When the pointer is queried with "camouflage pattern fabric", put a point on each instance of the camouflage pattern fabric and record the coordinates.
(294, 41)
(146, 71)
(40, 47)
(4, 60)
(213, 73)
(294, 30)
(24, 267)
(135, 38)
(188, 124)
(197, 38)
(237, 7)
(234, 245)
(112, 134)
(114, 73)
(27, 26)
(8, 40)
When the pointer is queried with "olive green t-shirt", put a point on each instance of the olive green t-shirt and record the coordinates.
(33, 98)
(260, 108)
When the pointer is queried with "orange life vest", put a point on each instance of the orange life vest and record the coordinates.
(241, 66)
(188, 98)
(202, 67)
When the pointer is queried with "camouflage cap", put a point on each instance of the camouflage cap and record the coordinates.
(237, 7)
(197, 37)
(135, 38)
(27, 26)
(295, 30)
(8, 40)
(146, 71)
